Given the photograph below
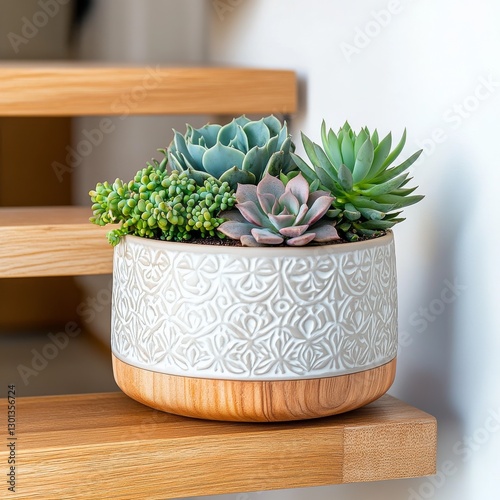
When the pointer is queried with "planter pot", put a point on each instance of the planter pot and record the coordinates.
(254, 334)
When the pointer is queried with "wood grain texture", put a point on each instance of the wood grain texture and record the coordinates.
(109, 446)
(75, 89)
(52, 241)
(250, 401)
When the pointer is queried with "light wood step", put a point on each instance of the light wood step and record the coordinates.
(52, 241)
(109, 446)
(77, 89)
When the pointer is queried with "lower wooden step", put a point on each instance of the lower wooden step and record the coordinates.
(52, 241)
(108, 446)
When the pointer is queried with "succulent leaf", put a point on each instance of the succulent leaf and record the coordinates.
(243, 120)
(271, 185)
(363, 161)
(325, 232)
(380, 155)
(273, 124)
(396, 152)
(266, 237)
(325, 163)
(247, 192)
(220, 158)
(294, 231)
(209, 133)
(290, 202)
(345, 178)
(306, 170)
(276, 164)
(196, 154)
(333, 151)
(257, 133)
(235, 230)
(359, 141)
(235, 175)
(250, 241)
(347, 149)
(227, 133)
(281, 221)
(255, 161)
(400, 201)
(301, 240)
(317, 210)
(299, 187)
(385, 187)
(351, 213)
(252, 213)
(392, 172)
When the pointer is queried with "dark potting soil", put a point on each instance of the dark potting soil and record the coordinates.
(235, 243)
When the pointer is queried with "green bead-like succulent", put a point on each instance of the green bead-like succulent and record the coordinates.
(242, 151)
(356, 169)
(162, 205)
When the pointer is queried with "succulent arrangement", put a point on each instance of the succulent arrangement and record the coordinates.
(243, 181)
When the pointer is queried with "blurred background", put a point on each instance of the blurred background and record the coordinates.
(432, 67)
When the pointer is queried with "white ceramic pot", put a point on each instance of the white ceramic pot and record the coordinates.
(204, 330)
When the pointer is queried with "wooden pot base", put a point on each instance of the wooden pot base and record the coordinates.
(251, 401)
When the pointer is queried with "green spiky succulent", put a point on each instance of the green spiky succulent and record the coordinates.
(161, 205)
(242, 151)
(356, 169)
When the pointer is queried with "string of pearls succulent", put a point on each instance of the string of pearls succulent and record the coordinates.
(161, 205)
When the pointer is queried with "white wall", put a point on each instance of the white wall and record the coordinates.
(418, 67)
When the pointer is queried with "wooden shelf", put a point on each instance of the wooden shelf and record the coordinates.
(109, 446)
(52, 241)
(76, 89)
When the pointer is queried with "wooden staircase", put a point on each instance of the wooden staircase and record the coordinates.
(109, 446)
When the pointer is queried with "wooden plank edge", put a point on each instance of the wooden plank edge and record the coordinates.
(54, 250)
(399, 450)
(121, 91)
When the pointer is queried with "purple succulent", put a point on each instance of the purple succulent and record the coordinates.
(272, 213)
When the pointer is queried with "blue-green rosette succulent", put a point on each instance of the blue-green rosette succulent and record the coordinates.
(242, 151)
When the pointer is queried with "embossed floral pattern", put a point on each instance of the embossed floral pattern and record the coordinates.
(270, 316)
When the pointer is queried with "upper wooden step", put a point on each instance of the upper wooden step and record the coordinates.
(52, 241)
(76, 89)
(109, 446)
